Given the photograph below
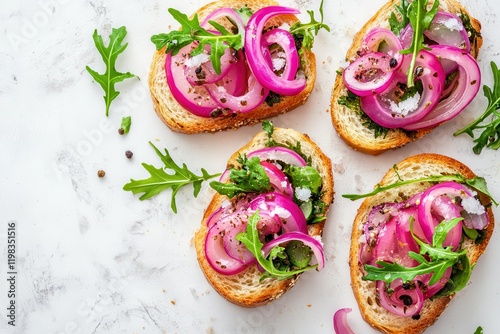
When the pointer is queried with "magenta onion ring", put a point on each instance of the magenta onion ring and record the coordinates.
(469, 82)
(279, 153)
(397, 302)
(391, 46)
(285, 40)
(256, 60)
(380, 107)
(278, 179)
(369, 74)
(340, 324)
(277, 204)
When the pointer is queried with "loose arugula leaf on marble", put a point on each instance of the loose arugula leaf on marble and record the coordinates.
(420, 20)
(478, 183)
(490, 135)
(305, 32)
(479, 330)
(250, 178)
(109, 54)
(192, 31)
(160, 180)
(250, 238)
(126, 123)
(441, 258)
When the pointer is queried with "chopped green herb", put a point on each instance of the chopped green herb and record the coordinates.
(394, 23)
(126, 122)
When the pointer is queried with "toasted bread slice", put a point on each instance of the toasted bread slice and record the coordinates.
(246, 289)
(365, 292)
(179, 119)
(348, 123)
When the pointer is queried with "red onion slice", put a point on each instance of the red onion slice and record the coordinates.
(228, 13)
(216, 255)
(369, 74)
(433, 289)
(469, 82)
(315, 245)
(227, 228)
(284, 207)
(256, 59)
(429, 205)
(278, 179)
(199, 70)
(340, 324)
(383, 108)
(383, 40)
(402, 302)
(447, 29)
(291, 61)
(278, 153)
(195, 99)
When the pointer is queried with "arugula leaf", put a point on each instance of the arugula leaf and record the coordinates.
(250, 238)
(440, 259)
(304, 177)
(478, 183)
(479, 330)
(490, 135)
(460, 276)
(109, 54)
(161, 180)
(394, 23)
(420, 20)
(304, 31)
(250, 178)
(192, 31)
(126, 122)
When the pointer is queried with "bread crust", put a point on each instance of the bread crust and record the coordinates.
(244, 289)
(364, 291)
(180, 120)
(347, 123)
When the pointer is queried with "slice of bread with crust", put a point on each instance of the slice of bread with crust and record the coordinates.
(179, 119)
(348, 123)
(246, 289)
(414, 167)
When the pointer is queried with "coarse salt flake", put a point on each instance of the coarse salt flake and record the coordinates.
(197, 60)
(453, 24)
(472, 206)
(302, 194)
(404, 107)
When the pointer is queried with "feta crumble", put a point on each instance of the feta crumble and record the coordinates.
(197, 60)
(404, 107)
(302, 194)
(453, 24)
(472, 206)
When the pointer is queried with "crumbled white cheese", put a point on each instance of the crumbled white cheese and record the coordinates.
(278, 63)
(302, 194)
(453, 24)
(472, 206)
(197, 60)
(284, 184)
(404, 107)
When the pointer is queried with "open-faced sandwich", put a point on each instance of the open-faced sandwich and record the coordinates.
(411, 67)
(234, 63)
(415, 240)
(263, 227)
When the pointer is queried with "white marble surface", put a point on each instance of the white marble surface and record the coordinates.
(92, 258)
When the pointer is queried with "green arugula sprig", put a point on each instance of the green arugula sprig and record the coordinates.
(490, 135)
(441, 258)
(161, 180)
(250, 238)
(126, 123)
(394, 23)
(192, 31)
(478, 183)
(420, 20)
(250, 178)
(307, 31)
(109, 54)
